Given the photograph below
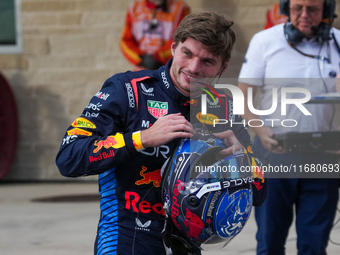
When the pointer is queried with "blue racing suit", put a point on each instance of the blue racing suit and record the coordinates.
(105, 140)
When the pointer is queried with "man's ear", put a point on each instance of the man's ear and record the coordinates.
(173, 47)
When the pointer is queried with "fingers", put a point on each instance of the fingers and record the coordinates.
(266, 136)
(165, 129)
(231, 141)
(174, 123)
(226, 152)
(228, 137)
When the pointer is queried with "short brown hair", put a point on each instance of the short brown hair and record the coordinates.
(211, 29)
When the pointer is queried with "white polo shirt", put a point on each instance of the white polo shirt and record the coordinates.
(272, 64)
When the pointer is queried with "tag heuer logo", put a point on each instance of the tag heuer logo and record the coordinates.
(157, 109)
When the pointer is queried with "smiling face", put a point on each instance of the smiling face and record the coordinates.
(193, 63)
(304, 14)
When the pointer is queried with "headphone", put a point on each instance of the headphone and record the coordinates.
(224, 67)
(322, 32)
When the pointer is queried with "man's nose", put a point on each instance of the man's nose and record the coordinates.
(194, 65)
(304, 11)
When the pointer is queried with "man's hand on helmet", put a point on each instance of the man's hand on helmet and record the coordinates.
(166, 129)
(229, 138)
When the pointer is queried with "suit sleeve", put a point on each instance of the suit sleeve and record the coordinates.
(96, 141)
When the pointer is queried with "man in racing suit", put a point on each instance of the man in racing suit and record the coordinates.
(128, 130)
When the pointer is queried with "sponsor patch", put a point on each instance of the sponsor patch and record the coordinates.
(78, 131)
(94, 107)
(103, 155)
(143, 226)
(83, 123)
(69, 139)
(112, 141)
(207, 119)
(165, 80)
(102, 95)
(134, 203)
(157, 109)
(192, 102)
(153, 177)
(147, 91)
(131, 97)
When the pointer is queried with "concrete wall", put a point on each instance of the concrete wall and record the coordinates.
(69, 48)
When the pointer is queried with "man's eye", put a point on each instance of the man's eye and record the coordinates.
(311, 10)
(209, 62)
(296, 8)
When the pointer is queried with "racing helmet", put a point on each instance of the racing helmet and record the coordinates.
(207, 200)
